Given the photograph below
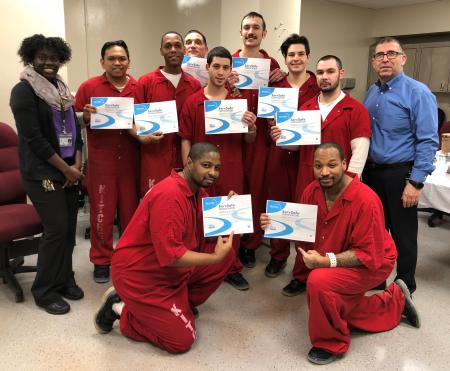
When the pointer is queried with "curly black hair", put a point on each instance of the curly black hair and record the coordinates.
(33, 44)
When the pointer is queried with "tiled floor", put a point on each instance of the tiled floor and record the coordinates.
(255, 330)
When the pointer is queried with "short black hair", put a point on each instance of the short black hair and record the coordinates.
(197, 31)
(169, 32)
(254, 15)
(30, 46)
(388, 39)
(110, 44)
(294, 39)
(218, 51)
(199, 149)
(327, 145)
(331, 56)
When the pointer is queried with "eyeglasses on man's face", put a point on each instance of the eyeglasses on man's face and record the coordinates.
(390, 54)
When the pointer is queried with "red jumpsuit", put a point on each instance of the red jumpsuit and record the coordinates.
(336, 296)
(282, 167)
(158, 297)
(192, 127)
(157, 159)
(255, 160)
(112, 171)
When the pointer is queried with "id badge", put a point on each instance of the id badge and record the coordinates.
(65, 140)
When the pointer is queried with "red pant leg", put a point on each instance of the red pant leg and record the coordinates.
(128, 183)
(300, 272)
(103, 193)
(336, 302)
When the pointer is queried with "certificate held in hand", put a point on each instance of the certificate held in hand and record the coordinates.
(299, 127)
(225, 116)
(253, 72)
(196, 67)
(156, 116)
(112, 113)
(274, 100)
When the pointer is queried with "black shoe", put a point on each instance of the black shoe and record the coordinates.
(321, 356)
(247, 257)
(101, 273)
(73, 293)
(410, 311)
(238, 281)
(195, 311)
(105, 317)
(274, 268)
(294, 288)
(58, 307)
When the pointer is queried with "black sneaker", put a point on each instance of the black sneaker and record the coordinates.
(410, 311)
(72, 293)
(238, 281)
(58, 307)
(247, 257)
(274, 268)
(105, 316)
(101, 273)
(294, 288)
(321, 356)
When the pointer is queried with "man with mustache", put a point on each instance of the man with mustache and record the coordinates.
(345, 121)
(160, 153)
(403, 115)
(353, 252)
(159, 273)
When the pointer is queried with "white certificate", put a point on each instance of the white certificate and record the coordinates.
(156, 116)
(299, 127)
(222, 215)
(253, 72)
(274, 100)
(112, 113)
(291, 221)
(196, 67)
(225, 116)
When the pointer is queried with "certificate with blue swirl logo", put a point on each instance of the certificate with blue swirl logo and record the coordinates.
(291, 221)
(225, 116)
(274, 100)
(156, 116)
(196, 67)
(253, 72)
(222, 215)
(299, 128)
(112, 113)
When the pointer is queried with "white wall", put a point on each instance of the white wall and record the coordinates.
(21, 19)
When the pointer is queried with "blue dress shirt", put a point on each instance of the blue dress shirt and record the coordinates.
(403, 116)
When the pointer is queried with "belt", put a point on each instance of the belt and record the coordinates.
(373, 165)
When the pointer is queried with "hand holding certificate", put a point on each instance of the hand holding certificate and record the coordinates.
(253, 72)
(225, 116)
(196, 67)
(274, 100)
(291, 221)
(222, 215)
(299, 127)
(112, 113)
(156, 116)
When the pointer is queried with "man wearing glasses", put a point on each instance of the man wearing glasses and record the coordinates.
(403, 115)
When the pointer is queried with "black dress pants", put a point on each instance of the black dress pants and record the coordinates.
(401, 222)
(58, 211)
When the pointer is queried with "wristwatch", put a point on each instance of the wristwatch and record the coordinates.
(416, 185)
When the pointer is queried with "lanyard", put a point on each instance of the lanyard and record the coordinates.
(62, 105)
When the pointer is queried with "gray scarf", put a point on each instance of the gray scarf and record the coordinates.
(58, 98)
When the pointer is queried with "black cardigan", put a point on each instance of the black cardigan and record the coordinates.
(37, 136)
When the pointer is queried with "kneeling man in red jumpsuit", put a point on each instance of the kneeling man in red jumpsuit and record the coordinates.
(353, 253)
(158, 270)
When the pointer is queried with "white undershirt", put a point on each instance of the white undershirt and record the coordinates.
(326, 108)
(174, 79)
(120, 88)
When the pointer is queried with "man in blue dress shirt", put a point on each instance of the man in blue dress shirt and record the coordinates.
(403, 115)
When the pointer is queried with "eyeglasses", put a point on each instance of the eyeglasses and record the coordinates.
(391, 54)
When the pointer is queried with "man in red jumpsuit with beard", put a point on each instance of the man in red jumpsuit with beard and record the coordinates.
(161, 153)
(113, 158)
(353, 252)
(158, 271)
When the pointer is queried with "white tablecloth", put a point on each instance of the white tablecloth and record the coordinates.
(436, 191)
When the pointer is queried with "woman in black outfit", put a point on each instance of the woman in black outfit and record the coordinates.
(50, 163)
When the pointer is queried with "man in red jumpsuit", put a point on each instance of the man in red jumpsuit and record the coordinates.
(113, 158)
(161, 153)
(231, 146)
(253, 31)
(158, 271)
(344, 121)
(353, 252)
(282, 165)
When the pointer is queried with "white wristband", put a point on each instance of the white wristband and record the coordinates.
(333, 260)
